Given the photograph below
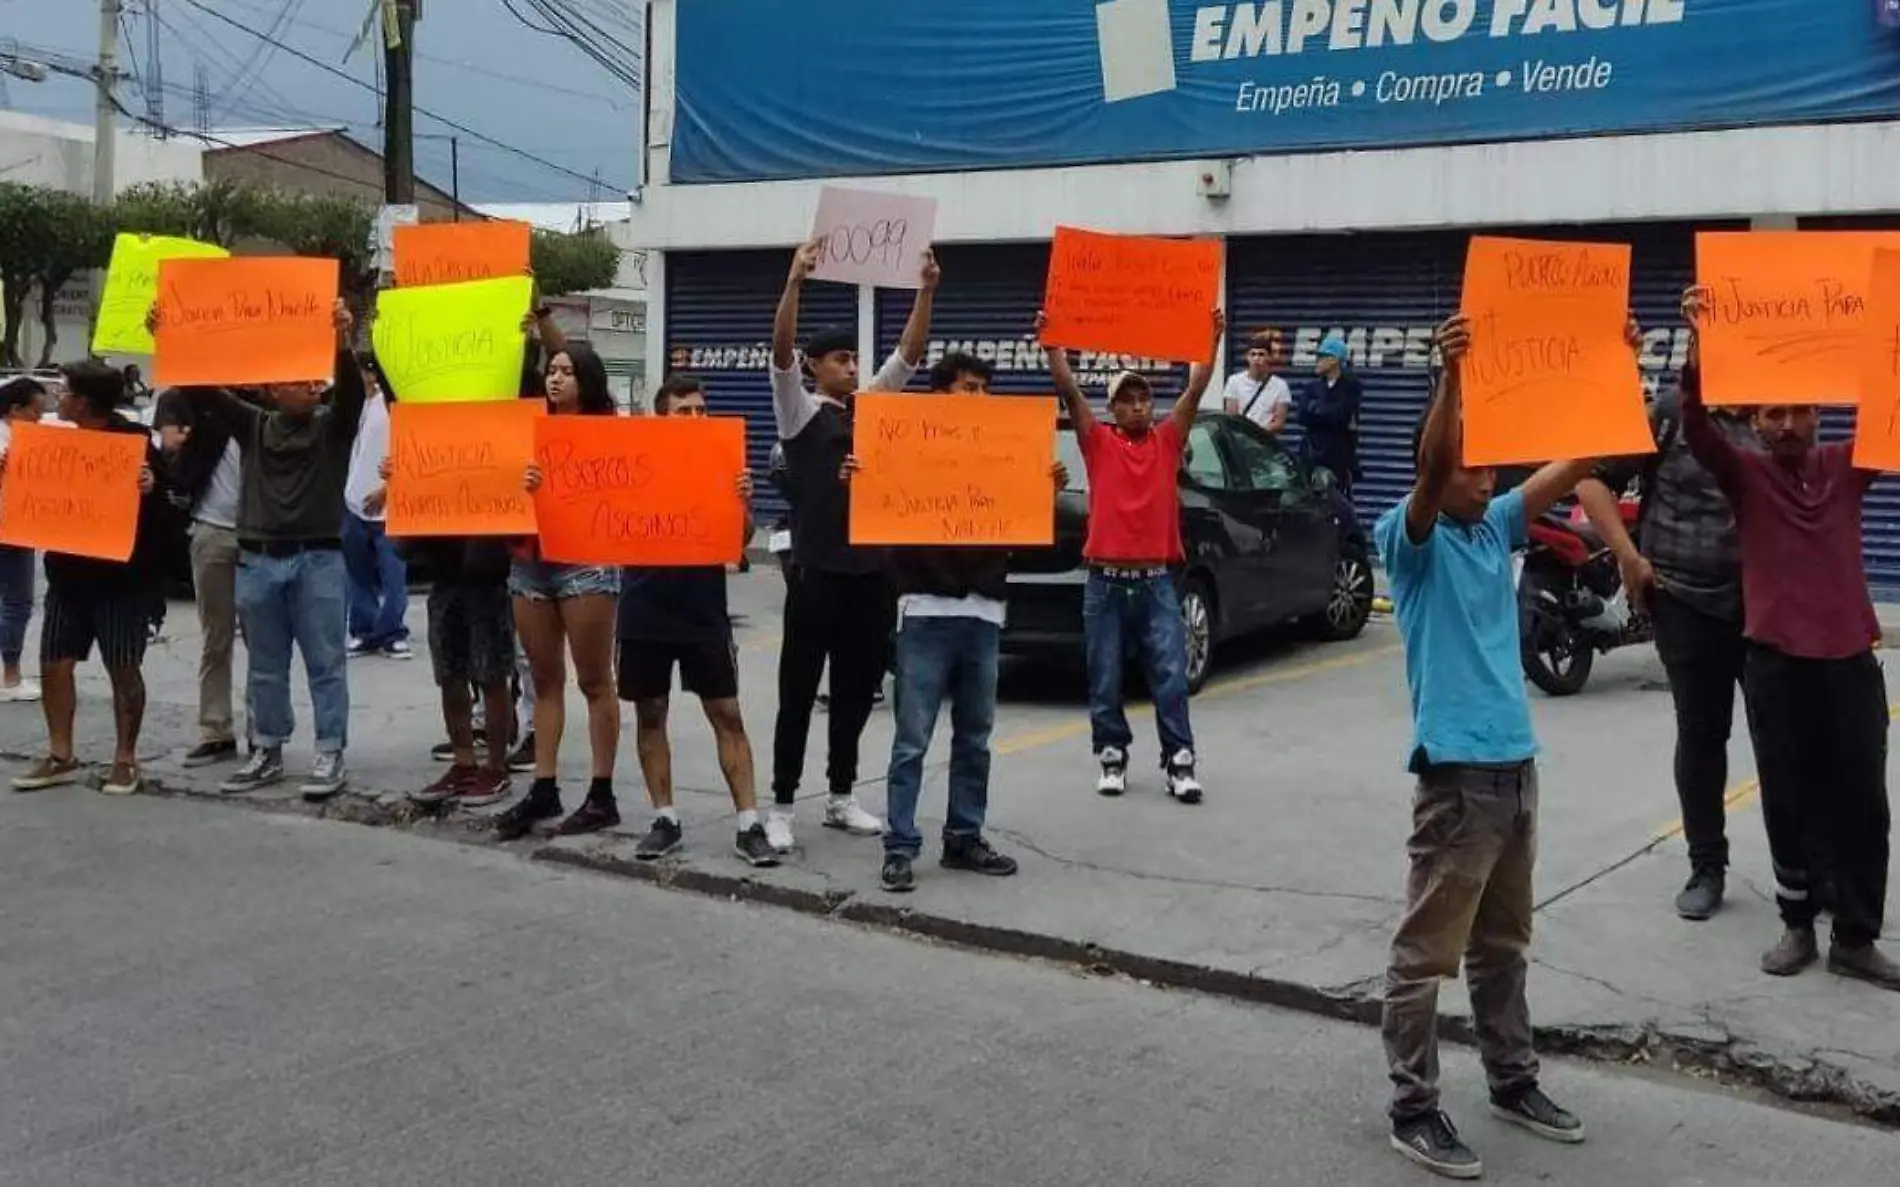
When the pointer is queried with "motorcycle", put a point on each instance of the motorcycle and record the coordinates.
(1571, 602)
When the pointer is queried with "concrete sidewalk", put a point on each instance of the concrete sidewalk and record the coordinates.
(1282, 888)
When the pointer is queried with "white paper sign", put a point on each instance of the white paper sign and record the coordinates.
(872, 238)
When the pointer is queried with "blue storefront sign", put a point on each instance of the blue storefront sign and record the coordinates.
(781, 90)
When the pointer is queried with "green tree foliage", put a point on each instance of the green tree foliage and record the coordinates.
(46, 237)
(574, 263)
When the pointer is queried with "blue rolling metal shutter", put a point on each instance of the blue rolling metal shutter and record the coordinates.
(719, 308)
(1386, 291)
(986, 306)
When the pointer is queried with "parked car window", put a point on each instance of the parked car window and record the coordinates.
(1203, 462)
(1263, 464)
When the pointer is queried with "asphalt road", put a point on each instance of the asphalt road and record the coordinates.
(192, 994)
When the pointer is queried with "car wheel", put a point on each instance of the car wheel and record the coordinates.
(1197, 615)
(1349, 602)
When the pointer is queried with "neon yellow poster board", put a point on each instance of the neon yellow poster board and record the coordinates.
(132, 287)
(453, 342)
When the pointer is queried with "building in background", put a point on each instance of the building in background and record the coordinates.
(1343, 150)
(315, 161)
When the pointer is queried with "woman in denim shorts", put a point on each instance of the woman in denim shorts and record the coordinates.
(568, 607)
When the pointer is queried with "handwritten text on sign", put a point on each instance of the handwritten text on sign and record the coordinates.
(455, 253)
(1132, 295)
(1549, 373)
(1787, 314)
(458, 469)
(953, 470)
(74, 491)
(872, 238)
(245, 321)
(455, 341)
(640, 491)
(132, 286)
(1877, 428)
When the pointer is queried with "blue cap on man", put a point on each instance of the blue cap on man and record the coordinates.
(1333, 346)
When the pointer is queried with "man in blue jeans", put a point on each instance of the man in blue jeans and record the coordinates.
(291, 585)
(1134, 540)
(379, 578)
(950, 607)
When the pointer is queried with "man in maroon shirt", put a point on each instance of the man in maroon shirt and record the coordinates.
(1817, 701)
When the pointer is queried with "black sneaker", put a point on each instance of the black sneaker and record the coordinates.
(661, 839)
(1114, 777)
(755, 849)
(596, 814)
(1532, 1110)
(1182, 784)
(445, 751)
(1432, 1141)
(521, 758)
(897, 876)
(518, 821)
(1702, 897)
(205, 754)
(976, 856)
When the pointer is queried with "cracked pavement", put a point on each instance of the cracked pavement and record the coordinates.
(1282, 887)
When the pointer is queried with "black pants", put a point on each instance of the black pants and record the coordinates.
(1820, 728)
(1704, 657)
(846, 619)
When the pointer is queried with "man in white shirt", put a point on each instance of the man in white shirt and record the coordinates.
(1257, 393)
(379, 580)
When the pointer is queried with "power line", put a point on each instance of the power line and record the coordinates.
(440, 119)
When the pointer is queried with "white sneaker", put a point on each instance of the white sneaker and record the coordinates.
(843, 812)
(778, 829)
(1182, 784)
(1114, 777)
(25, 691)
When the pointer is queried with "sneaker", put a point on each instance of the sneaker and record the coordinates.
(976, 856)
(122, 779)
(445, 788)
(596, 814)
(1532, 1110)
(328, 776)
(359, 647)
(1863, 962)
(755, 848)
(664, 837)
(1114, 777)
(521, 759)
(1796, 951)
(1702, 897)
(400, 649)
(49, 772)
(778, 830)
(1182, 784)
(484, 787)
(897, 875)
(263, 768)
(843, 812)
(445, 751)
(205, 754)
(518, 821)
(25, 692)
(1432, 1141)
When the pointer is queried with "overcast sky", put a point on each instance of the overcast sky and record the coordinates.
(477, 64)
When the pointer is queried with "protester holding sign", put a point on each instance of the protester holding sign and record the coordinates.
(22, 401)
(1448, 546)
(1817, 701)
(567, 606)
(838, 606)
(291, 587)
(1134, 538)
(91, 599)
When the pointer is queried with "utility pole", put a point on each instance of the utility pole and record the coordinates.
(105, 123)
(399, 156)
(154, 73)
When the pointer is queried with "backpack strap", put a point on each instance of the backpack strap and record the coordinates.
(1666, 433)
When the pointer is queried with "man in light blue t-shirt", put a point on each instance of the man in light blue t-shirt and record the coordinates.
(1447, 548)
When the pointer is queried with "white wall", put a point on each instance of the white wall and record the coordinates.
(35, 151)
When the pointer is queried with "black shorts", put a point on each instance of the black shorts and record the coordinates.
(74, 619)
(471, 633)
(709, 668)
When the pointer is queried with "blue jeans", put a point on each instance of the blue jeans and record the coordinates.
(1144, 611)
(379, 583)
(296, 599)
(939, 657)
(16, 601)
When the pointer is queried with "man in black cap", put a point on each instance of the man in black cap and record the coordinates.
(838, 606)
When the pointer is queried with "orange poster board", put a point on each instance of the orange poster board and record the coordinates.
(953, 470)
(245, 321)
(1549, 374)
(1787, 314)
(1129, 294)
(455, 253)
(640, 490)
(1877, 426)
(74, 491)
(458, 468)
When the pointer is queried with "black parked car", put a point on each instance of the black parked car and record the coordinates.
(1268, 543)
